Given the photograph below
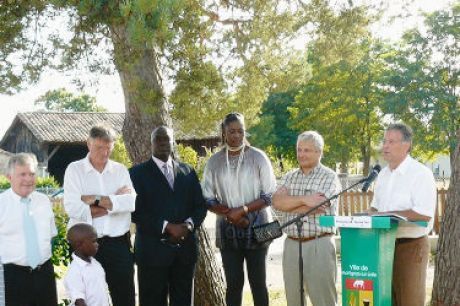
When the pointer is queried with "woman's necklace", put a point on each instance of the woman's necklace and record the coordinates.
(240, 158)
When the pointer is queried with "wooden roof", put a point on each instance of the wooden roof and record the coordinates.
(68, 127)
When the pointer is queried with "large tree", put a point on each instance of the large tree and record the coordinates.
(422, 86)
(341, 99)
(446, 285)
(221, 55)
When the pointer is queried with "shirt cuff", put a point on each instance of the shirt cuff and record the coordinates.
(115, 206)
(165, 223)
(267, 198)
(190, 220)
(212, 202)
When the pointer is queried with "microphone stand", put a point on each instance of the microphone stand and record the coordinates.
(299, 222)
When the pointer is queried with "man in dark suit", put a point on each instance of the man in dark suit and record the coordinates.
(169, 207)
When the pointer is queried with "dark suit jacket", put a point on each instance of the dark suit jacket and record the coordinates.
(157, 202)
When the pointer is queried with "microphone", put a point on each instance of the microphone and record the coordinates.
(371, 177)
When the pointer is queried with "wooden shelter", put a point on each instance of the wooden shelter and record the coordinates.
(58, 138)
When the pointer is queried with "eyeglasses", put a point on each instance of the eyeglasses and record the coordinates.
(391, 141)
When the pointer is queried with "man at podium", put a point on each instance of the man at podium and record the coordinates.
(407, 188)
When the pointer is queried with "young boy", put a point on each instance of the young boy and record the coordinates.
(85, 280)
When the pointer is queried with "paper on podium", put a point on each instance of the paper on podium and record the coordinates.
(353, 221)
(393, 215)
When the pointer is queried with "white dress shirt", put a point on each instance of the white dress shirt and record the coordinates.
(86, 280)
(410, 186)
(12, 241)
(81, 178)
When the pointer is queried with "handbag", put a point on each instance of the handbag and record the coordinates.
(268, 231)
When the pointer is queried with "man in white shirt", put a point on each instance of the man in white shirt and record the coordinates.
(408, 188)
(26, 230)
(98, 191)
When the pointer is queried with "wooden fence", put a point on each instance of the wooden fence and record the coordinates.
(355, 201)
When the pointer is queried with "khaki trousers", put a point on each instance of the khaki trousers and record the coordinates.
(319, 270)
(409, 271)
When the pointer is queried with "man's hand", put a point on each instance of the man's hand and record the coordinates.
(88, 199)
(80, 302)
(97, 211)
(316, 198)
(124, 190)
(177, 233)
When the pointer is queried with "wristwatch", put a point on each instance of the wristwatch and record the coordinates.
(97, 199)
(189, 226)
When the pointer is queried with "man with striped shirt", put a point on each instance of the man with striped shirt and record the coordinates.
(300, 190)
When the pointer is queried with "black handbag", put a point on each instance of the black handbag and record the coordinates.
(268, 231)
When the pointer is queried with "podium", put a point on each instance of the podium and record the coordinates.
(367, 250)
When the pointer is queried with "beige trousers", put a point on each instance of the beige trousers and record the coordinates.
(319, 270)
(409, 271)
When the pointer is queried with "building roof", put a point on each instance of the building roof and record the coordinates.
(59, 127)
(67, 127)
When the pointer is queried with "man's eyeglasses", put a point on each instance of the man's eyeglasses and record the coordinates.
(391, 141)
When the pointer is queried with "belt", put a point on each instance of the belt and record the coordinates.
(27, 268)
(305, 239)
(124, 237)
(405, 240)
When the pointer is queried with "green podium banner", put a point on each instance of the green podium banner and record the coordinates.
(367, 250)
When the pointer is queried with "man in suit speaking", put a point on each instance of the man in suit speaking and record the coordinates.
(169, 207)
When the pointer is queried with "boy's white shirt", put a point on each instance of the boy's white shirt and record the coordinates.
(86, 280)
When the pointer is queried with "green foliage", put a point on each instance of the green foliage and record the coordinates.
(61, 100)
(61, 251)
(341, 100)
(188, 155)
(273, 132)
(280, 165)
(199, 96)
(120, 154)
(422, 86)
(47, 182)
(4, 183)
(42, 182)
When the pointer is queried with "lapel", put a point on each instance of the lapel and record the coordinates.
(158, 172)
(177, 173)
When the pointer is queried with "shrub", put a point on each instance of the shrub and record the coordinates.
(120, 154)
(42, 182)
(61, 250)
(4, 183)
(189, 156)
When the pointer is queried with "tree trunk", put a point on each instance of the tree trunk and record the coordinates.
(446, 285)
(208, 280)
(147, 107)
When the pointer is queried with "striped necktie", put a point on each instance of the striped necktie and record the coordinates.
(168, 175)
(30, 235)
